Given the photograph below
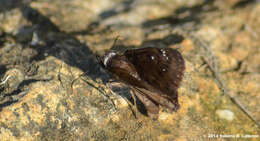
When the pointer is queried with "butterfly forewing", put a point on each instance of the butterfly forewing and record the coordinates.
(161, 68)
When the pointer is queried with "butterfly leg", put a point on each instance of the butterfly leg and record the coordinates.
(119, 86)
(135, 105)
(114, 84)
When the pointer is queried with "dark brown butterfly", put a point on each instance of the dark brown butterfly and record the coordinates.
(153, 73)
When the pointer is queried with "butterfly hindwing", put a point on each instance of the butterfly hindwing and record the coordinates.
(151, 107)
(158, 98)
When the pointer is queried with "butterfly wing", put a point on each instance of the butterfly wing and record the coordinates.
(154, 74)
(162, 71)
(152, 108)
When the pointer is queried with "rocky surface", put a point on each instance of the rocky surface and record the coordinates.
(52, 87)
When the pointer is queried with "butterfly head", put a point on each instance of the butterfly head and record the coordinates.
(105, 60)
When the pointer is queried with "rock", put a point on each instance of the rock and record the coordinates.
(225, 114)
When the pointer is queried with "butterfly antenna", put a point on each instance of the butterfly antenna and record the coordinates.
(117, 37)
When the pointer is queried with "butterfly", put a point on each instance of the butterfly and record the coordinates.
(153, 73)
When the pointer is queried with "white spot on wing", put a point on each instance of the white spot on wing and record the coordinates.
(164, 53)
(152, 57)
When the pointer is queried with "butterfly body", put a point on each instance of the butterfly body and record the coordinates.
(153, 73)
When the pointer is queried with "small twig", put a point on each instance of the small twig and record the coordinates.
(20, 95)
(6, 79)
(226, 91)
(73, 81)
(59, 77)
(213, 68)
(132, 107)
(93, 85)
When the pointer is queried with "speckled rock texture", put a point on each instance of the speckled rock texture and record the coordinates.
(52, 87)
